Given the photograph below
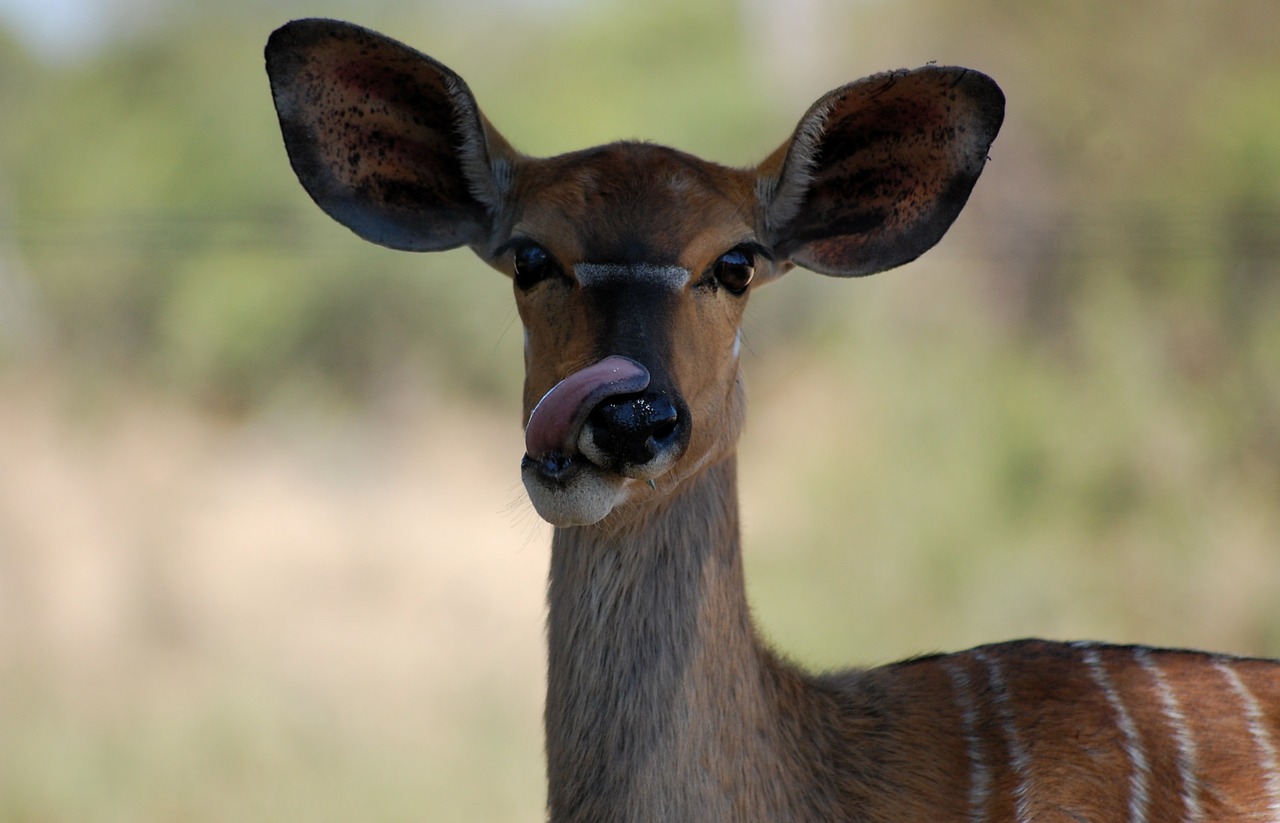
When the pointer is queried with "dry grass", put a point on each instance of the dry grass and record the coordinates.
(256, 622)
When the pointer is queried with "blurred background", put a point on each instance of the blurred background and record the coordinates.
(264, 554)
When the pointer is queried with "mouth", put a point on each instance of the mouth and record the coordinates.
(571, 491)
(592, 436)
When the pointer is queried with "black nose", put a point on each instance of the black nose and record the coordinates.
(633, 429)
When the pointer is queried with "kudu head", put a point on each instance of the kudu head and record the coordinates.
(631, 263)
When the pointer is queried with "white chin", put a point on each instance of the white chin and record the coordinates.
(585, 497)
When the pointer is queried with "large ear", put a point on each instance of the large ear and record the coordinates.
(386, 140)
(877, 170)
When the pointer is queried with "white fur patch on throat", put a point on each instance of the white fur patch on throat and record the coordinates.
(674, 278)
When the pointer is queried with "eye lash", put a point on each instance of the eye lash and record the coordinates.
(757, 249)
(509, 246)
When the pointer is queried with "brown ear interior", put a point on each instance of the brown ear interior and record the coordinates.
(877, 170)
(386, 140)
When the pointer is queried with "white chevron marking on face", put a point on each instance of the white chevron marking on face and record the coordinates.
(674, 278)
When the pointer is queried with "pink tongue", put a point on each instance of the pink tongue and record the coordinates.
(559, 415)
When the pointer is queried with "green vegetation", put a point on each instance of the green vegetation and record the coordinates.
(1063, 421)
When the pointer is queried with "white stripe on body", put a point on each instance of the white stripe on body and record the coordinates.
(1187, 757)
(1139, 781)
(1258, 731)
(979, 771)
(1019, 757)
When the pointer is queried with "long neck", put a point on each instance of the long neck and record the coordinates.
(661, 703)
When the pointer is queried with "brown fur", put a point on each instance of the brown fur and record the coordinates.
(662, 702)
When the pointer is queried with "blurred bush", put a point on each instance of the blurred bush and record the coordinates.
(1115, 275)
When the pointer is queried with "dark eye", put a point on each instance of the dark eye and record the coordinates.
(533, 264)
(735, 269)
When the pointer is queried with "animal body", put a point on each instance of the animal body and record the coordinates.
(631, 265)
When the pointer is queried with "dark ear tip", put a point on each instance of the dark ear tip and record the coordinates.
(293, 33)
(987, 95)
(286, 42)
(980, 90)
(306, 31)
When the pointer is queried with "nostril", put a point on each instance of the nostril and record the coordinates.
(664, 430)
(663, 425)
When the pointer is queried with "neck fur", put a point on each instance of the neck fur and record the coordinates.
(661, 703)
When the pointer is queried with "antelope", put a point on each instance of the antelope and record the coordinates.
(631, 265)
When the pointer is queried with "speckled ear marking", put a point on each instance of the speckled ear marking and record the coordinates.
(877, 170)
(386, 140)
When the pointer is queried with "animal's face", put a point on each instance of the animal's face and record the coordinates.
(637, 252)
